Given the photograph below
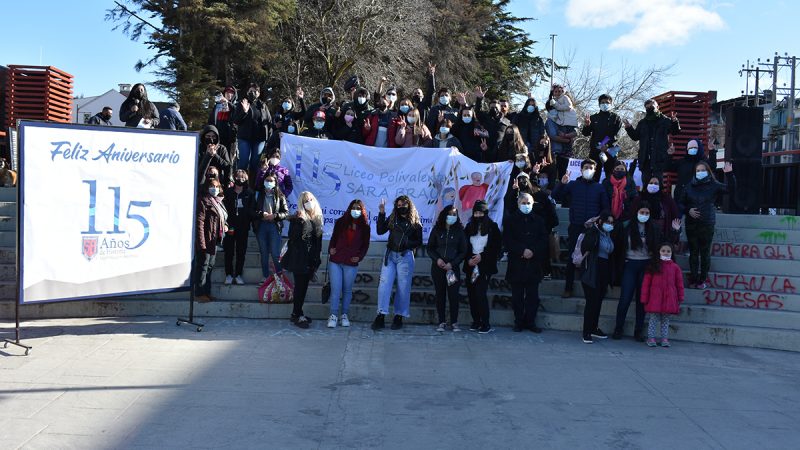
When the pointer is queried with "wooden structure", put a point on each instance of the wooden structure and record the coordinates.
(694, 114)
(37, 93)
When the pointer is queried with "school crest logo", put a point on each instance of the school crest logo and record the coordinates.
(89, 247)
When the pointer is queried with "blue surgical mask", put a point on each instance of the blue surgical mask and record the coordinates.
(269, 185)
(604, 107)
(355, 213)
(291, 129)
(444, 100)
(214, 191)
(451, 220)
(543, 182)
(692, 151)
(608, 228)
(643, 218)
(467, 119)
(702, 174)
(530, 109)
(404, 109)
(286, 106)
(653, 188)
(319, 125)
(526, 209)
(444, 130)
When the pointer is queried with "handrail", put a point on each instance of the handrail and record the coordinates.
(784, 152)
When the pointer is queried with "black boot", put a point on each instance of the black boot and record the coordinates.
(378, 323)
(397, 322)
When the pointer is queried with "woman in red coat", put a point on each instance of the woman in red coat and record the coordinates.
(662, 293)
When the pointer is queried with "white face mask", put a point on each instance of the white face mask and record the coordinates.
(652, 188)
(309, 205)
(604, 107)
(588, 174)
(666, 257)
(274, 161)
(362, 100)
(520, 164)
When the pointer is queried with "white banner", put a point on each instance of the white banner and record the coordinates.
(574, 171)
(337, 172)
(105, 211)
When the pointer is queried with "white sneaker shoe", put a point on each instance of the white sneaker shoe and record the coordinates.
(442, 327)
(345, 321)
(332, 321)
(228, 280)
(238, 280)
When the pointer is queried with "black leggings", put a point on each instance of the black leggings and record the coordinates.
(478, 300)
(301, 281)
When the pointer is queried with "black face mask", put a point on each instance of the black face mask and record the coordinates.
(417, 99)
(402, 210)
(619, 175)
(211, 176)
(252, 96)
(381, 107)
(326, 100)
(240, 182)
(107, 116)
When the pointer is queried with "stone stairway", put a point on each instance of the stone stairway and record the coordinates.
(752, 301)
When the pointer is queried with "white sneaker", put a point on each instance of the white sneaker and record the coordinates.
(442, 327)
(238, 279)
(345, 321)
(228, 280)
(332, 321)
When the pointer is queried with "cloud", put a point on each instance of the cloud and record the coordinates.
(655, 22)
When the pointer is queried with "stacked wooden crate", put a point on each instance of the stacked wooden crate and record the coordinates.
(37, 93)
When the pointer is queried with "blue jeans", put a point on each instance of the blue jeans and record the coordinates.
(248, 153)
(269, 243)
(401, 267)
(632, 277)
(342, 278)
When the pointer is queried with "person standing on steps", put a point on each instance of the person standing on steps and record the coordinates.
(597, 248)
(271, 211)
(587, 198)
(405, 235)
(447, 248)
(525, 238)
(620, 189)
(303, 253)
(484, 245)
(240, 203)
(210, 228)
(348, 246)
(662, 293)
(638, 239)
(697, 202)
(653, 132)
(602, 129)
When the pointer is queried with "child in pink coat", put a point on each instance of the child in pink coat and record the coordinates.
(662, 293)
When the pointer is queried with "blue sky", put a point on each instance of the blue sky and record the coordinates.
(707, 41)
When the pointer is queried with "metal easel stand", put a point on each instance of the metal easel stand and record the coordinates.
(16, 341)
(190, 320)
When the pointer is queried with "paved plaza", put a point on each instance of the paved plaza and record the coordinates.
(145, 383)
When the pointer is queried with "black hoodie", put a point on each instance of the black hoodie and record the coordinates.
(221, 159)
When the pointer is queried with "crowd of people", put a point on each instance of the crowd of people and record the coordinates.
(617, 234)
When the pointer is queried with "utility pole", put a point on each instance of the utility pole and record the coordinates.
(790, 112)
(552, 59)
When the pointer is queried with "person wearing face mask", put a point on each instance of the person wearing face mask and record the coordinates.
(289, 111)
(404, 107)
(346, 128)
(484, 244)
(271, 165)
(348, 246)
(541, 157)
(304, 252)
(560, 141)
(697, 203)
(663, 209)
(525, 238)
(637, 241)
(413, 133)
(381, 124)
(405, 235)
(447, 248)
(684, 167)
(423, 102)
(271, 210)
(472, 136)
(210, 226)
(360, 105)
(102, 118)
(220, 116)
(511, 145)
(495, 122)
(530, 123)
(444, 138)
(652, 133)
(240, 203)
(213, 154)
(326, 104)
(602, 129)
(137, 111)
(441, 109)
(319, 130)
(662, 293)
(253, 120)
(620, 189)
(171, 119)
(587, 198)
(597, 246)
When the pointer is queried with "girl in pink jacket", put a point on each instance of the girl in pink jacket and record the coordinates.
(662, 293)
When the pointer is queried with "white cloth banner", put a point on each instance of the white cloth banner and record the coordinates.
(337, 172)
(105, 211)
(574, 171)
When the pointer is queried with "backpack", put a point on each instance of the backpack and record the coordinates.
(577, 255)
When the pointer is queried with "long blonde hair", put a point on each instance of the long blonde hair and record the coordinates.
(316, 211)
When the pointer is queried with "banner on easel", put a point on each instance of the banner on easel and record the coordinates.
(104, 211)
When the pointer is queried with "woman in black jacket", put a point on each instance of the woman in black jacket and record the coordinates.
(270, 212)
(447, 248)
(525, 238)
(484, 244)
(597, 248)
(697, 202)
(472, 136)
(253, 120)
(530, 123)
(347, 128)
(137, 111)
(210, 227)
(405, 235)
(304, 250)
(240, 203)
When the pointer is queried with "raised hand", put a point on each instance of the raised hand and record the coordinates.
(479, 92)
(245, 105)
(382, 206)
(431, 68)
(673, 116)
(627, 123)
(676, 224)
(527, 254)
(728, 167)
(565, 179)
(367, 124)
(587, 120)
(462, 98)
(671, 149)
(299, 93)
(484, 145)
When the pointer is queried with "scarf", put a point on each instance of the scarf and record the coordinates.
(223, 216)
(618, 196)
